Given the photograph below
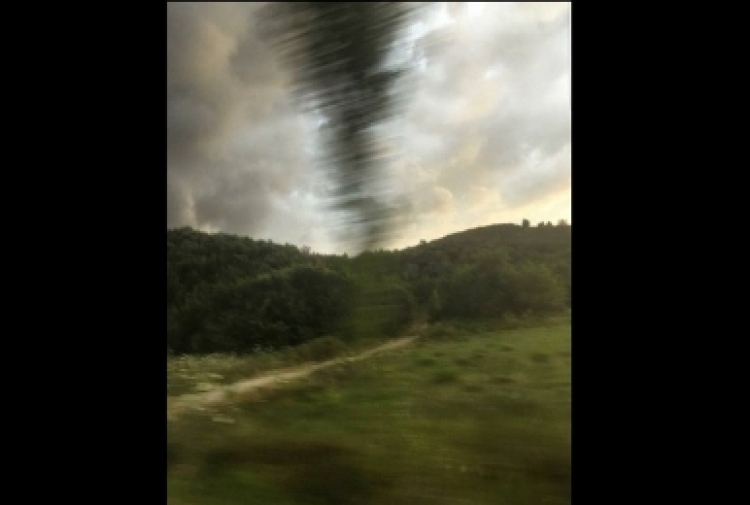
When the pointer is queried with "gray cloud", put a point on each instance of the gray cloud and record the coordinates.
(234, 144)
(485, 138)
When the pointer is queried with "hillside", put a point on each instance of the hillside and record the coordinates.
(227, 293)
(507, 234)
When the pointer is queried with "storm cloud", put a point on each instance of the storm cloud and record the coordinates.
(485, 137)
(235, 146)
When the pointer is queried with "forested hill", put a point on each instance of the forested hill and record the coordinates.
(500, 235)
(431, 265)
(195, 258)
(231, 293)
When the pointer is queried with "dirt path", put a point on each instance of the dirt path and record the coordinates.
(216, 396)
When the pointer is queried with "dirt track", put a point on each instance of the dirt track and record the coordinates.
(178, 404)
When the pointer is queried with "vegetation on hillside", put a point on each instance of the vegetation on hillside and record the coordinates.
(233, 294)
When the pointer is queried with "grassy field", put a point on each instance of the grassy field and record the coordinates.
(469, 414)
(193, 374)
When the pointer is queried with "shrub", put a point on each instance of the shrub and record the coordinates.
(323, 348)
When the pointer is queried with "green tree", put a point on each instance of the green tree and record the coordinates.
(495, 287)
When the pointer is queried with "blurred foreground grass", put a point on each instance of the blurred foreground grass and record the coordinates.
(472, 413)
(193, 374)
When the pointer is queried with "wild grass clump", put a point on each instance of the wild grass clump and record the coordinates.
(540, 357)
(425, 361)
(441, 331)
(501, 380)
(321, 349)
(462, 361)
(446, 376)
(473, 388)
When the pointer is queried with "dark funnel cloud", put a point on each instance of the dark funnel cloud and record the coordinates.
(338, 54)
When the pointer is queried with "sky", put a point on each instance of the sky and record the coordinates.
(485, 136)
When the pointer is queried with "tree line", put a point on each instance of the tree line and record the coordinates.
(227, 293)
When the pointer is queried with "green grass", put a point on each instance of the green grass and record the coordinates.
(474, 418)
(190, 374)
